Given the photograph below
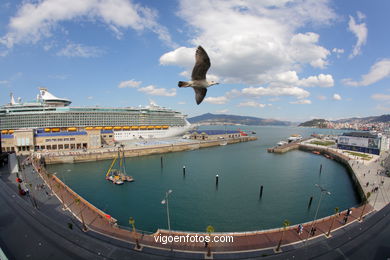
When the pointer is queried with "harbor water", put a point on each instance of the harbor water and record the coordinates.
(234, 204)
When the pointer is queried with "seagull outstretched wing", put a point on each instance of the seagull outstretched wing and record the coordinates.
(202, 64)
(200, 93)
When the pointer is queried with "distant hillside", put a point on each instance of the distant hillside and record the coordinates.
(369, 119)
(234, 119)
(319, 123)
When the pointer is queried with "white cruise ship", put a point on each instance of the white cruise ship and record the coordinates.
(50, 114)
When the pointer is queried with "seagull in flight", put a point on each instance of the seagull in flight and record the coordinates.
(198, 78)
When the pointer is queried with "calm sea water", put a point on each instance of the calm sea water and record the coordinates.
(288, 179)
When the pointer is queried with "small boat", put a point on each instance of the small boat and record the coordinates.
(118, 176)
(316, 152)
(281, 143)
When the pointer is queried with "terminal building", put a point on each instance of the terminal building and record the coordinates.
(214, 134)
(364, 142)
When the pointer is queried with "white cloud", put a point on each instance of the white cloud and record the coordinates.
(152, 90)
(3, 82)
(382, 108)
(380, 97)
(239, 55)
(336, 97)
(36, 20)
(216, 100)
(321, 80)
(301, 102)
(79, 50)
(129, 84)
(338, 52)
(360, 31)
(181, 103)
(321, 97)
(360, 15)
(276, 91)
(222, 111)
(251, 104)
(90, 97)
(378, 71)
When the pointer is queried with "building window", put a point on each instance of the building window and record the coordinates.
(66, 146)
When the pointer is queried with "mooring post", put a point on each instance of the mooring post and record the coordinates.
(261, 191)
(184, 170)
(216, 179)
(310, 201)
(161, 161)
(320, 168)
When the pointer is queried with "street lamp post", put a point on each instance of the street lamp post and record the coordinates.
(323, 190)
(336, 210)
(166, 201)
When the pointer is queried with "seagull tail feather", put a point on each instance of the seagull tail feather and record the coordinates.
(183, 84)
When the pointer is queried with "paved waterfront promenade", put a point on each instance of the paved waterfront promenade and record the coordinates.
(371, 172)
(252, 244)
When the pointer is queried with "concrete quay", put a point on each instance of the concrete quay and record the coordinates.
(133, 149)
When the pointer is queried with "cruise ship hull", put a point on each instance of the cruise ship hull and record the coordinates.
(150, 134)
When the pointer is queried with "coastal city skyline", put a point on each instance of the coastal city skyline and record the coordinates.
(288, 60)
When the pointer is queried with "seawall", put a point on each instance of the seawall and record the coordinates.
(110, 153)
(343, 159)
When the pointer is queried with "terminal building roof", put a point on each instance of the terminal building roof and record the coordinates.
(361, 134)
(215, 132)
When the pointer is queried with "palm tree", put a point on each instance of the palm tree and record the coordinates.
(336, 210)
(286, 223)
(365, 204)
(132, 223)
(210, 229)
(85, 229)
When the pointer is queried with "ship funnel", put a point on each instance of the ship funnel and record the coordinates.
(12, 99)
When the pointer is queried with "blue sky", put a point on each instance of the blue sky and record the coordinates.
(289, 60)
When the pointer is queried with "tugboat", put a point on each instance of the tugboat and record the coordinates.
(118, 176)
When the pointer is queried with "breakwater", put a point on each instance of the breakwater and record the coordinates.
(110, 153)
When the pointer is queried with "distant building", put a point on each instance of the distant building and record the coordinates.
(213, 134)
(364, 142)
